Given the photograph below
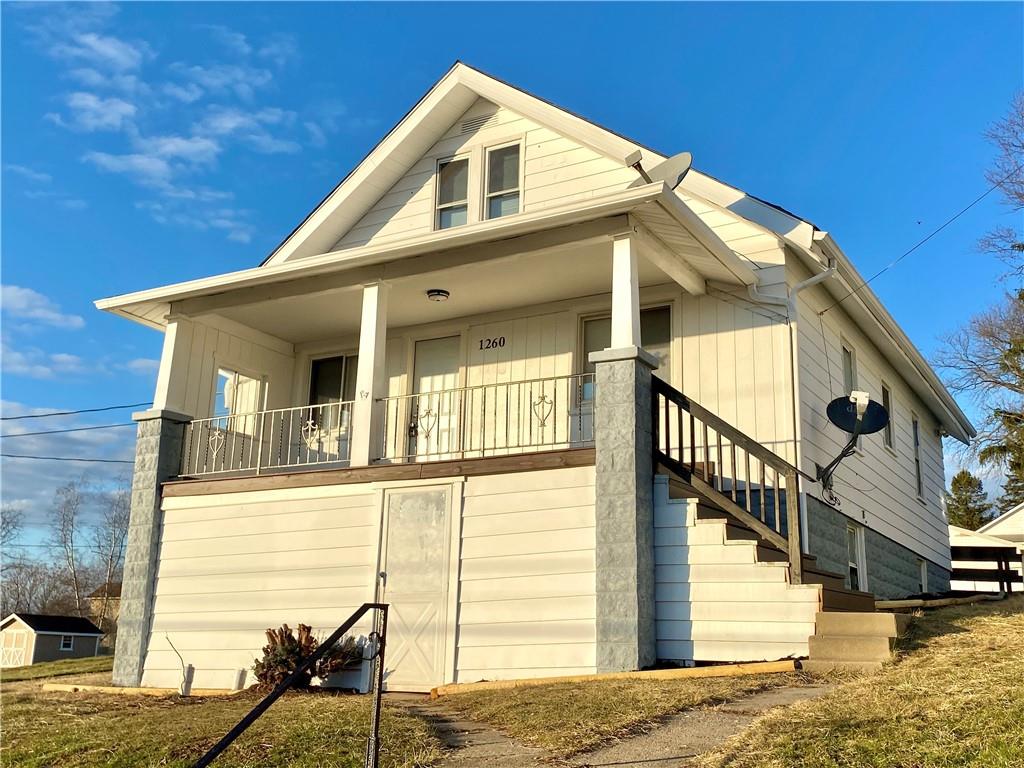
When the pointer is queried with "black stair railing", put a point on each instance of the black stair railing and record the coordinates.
(379, 638)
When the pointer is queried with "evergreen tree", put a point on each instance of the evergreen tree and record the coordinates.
(966, 502)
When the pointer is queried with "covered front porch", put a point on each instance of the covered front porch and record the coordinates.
(458, 350)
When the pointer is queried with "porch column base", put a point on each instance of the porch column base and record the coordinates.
(624, 510)
(157, 458)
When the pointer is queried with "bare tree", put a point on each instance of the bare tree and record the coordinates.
(11, 521)
(1007, 172)
(67, 524)
(33, 587)
(108, 543)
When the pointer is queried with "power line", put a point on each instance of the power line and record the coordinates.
(924, 240)
(72, 413)
(62, 431)
(65, 458)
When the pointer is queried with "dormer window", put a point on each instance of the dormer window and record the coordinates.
(452, 192)
(502, 198)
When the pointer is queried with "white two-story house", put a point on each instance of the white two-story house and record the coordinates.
(558, 402)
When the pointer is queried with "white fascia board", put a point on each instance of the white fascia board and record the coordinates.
(933, 392)
(415, 133)
(622, 201)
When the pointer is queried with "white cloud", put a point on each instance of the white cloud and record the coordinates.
(280, 49)
(187, 93)
(234, 222)
(250, 127)
(34, 363)
(234, 41)
(143, 366)
(103, 51)
(92, 78)
(25, 172)
(242, 80)
(147, 170)
(26, 304)
(193, 149)
(73, 204)
(90, 112)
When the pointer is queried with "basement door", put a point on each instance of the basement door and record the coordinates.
(415, 577)
(434, 421)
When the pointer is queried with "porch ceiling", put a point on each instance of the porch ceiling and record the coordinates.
(489, 286)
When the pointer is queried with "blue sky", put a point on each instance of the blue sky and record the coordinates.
(150, 143)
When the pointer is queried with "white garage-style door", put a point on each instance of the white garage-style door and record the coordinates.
(416, 574)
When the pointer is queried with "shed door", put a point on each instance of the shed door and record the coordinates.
(415, 584)
(14, 644)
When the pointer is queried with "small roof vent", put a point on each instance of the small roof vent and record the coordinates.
(476, 123)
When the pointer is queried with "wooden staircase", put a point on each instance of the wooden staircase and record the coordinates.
(742, 484)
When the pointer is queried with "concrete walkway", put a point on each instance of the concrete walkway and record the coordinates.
(689, 734)
(473, 744)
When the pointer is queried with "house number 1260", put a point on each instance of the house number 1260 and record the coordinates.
(496, 343)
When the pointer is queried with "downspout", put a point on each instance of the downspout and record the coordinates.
(792, 317)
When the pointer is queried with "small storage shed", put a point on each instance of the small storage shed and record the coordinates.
(28, 638)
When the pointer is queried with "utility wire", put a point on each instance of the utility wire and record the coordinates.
(925, 239)
(62, 431)
(66, 458)
(71, 413)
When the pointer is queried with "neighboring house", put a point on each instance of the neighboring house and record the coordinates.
(438, 392)
(29, 638)
(990, 559)
(104, 604)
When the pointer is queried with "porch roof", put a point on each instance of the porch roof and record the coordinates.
(687, 250)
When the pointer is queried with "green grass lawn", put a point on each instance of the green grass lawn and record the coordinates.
(58, 668)
(955, 698)
(304, 730)
(566, 719)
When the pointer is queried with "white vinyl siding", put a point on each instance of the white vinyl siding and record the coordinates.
(527, 603)
(876, 487)
(555, 171)
(233, 565)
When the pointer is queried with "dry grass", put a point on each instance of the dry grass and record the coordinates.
(302, 730)
(955, 698)
(569, 718)
(58, 668)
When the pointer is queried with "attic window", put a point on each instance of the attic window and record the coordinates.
(502, 181)
(452, 192)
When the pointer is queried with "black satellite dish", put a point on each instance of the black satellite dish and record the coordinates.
(843, 413)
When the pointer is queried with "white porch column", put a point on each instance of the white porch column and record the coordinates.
(172, 378)
(371, 376)
(625, 293)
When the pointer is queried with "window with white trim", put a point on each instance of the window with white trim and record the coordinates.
(501, 196)
(887, 404)
(855, 555)
(452, 193)
(922, 581)
(849, 369)
(67, 642)
(918, 477)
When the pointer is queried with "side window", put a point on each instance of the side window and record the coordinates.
(918, 477)
(502, 193)
(855, 555)
(332, 380)
(655, 335)
(887, 433)
(452, 193)
(67, 642)
(237, 394)
(849, 369)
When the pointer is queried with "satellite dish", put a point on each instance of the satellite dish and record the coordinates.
(672, 170)
(843, 413)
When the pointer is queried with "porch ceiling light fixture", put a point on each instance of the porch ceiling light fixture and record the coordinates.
(437, 294)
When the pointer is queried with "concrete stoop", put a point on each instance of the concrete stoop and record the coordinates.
(856, 642)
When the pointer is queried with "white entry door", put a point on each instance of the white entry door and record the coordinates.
(415, 577)
(434, 420)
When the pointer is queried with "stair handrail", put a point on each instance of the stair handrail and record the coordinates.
(790, 544)
(378, 635)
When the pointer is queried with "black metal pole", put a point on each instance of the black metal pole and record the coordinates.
(373, 742)
(283, 686)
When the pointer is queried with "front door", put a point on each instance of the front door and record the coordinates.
(415, 576)
(434, 419)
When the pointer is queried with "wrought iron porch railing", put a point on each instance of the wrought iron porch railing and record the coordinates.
(730, 470)
(490, 419)
(265, 440)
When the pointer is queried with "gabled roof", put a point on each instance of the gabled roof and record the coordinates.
(66, 625)
(110, 589)
(1009, 525)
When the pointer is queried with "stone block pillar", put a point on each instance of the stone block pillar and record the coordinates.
(624, 509)
(157, 458)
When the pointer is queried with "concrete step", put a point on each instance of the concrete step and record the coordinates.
(854, 624)
(812, 665)
(849, 648)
